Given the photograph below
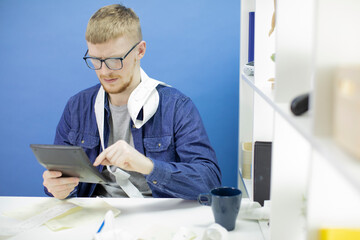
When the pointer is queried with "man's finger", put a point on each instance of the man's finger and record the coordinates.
(105, 155)
(51, 174)
(65, 187)
(69, 180)
(62, 181)
(110, 152)
(100, 158)
(106, 162)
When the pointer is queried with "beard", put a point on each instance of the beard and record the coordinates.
(119, 87)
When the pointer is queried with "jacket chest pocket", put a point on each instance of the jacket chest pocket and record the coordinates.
(83, 140)
(159, 148)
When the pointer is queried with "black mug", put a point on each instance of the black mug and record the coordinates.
(225, 203)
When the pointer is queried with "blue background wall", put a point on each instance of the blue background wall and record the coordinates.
(191, 45)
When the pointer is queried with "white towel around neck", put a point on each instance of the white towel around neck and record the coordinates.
(144, 97)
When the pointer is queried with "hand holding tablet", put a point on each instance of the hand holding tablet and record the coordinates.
(67, 166)
(60, 187)
(71, 161)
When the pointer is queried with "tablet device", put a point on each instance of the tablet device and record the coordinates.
(70, 160)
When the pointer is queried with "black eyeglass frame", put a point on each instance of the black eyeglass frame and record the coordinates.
(104, 60)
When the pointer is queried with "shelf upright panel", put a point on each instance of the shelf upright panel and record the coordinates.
(292, 144)
(289, 181)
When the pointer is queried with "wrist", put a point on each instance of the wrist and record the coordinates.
(148, 166)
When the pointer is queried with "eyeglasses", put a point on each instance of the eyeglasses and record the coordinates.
(115, 63)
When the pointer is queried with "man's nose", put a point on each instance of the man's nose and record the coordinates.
(104, 70)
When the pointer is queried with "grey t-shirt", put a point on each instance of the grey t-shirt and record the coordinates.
(120, 130)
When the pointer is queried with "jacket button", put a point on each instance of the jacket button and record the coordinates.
(154, 182)
(82, 141)
(159, 145)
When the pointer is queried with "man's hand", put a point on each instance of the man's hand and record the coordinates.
(59, 187)
(124, 156)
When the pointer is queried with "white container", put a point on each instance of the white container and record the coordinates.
(347, 109)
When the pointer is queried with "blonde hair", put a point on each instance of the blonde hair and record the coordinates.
(111, 22)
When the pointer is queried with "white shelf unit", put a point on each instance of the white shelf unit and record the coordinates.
(314, 182)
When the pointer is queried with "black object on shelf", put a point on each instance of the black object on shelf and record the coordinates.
(300, 104)
(262, 171)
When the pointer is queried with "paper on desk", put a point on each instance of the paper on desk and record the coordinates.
(82, 212)
(27, 220)
(91, 211)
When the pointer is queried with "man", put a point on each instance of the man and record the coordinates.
(145, 137)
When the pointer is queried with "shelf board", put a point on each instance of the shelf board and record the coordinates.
(348, 165)
(301, 123)
(264, 92)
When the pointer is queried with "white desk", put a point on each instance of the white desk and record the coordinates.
(137, 215)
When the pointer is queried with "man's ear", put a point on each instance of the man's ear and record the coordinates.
(141, 50)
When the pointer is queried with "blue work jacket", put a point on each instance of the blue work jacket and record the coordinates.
(175, 139)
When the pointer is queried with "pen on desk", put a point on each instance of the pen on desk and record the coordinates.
(101, 226)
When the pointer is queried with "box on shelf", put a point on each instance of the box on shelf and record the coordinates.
(246, 159)
(262, 171)
(347, 109)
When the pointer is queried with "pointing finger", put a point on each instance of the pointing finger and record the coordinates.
(102, 156)
(99, 159)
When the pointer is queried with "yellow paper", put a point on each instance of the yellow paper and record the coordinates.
(339, 234)
(87, 210)
(91, 211)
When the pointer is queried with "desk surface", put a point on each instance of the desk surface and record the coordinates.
(138, 215)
